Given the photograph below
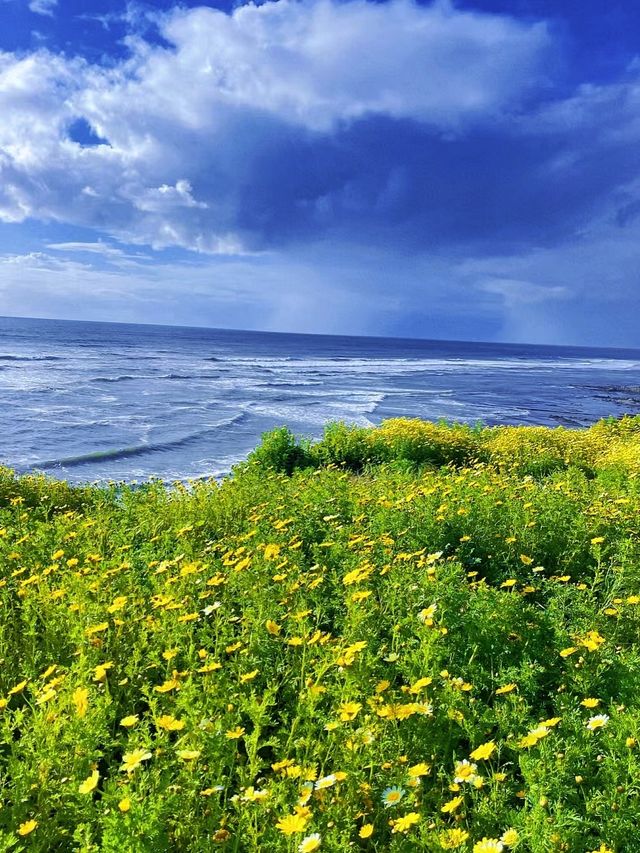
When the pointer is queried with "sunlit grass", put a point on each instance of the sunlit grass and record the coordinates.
(416, 637)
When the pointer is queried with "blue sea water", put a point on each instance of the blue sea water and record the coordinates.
(101, 401)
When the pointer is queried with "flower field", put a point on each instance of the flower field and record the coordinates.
(414, 637)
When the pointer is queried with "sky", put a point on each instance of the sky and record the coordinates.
(457, 169)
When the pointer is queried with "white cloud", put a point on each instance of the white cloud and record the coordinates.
(43, 7)
(519, 295)
(316, 63)
(165, 197)
(609, 112)
(106, 251)
(184, 125)
(269, 293)
(98, 248)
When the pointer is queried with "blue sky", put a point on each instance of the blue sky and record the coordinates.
(464, 170)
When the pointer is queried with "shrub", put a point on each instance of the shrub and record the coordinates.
(280, 451)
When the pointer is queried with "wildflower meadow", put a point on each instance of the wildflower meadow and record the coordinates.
(405, 638)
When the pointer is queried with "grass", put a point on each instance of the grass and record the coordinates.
(415, 637)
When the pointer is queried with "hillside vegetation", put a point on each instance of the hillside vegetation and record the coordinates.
(413, 637)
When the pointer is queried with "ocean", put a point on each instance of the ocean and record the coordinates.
(88, 401)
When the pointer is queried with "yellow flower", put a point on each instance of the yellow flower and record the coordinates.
(130, 721)
(464, 771)
(292, 823)
(421, 769)
(349, 711)
(356, 575)
(168, 686)
(273, 628)
(534, 736)
(590, 703)
(421, 683)
(188, 754)
(89, 784)
(510, 837)
(303, 812)
(96, 629)
(124, 805)
(118, 604)
(526, 560)
(507, 688)
(404, 824)
(484, 751)
(452, 805)
(592, 641)
(271, 552)
(131, 760)
(169, 723)
(169, 654)
(326, 782)
(305, 793)
(81, 701)
(210, 667)
(46, 696)
(568, 651)
(100, 672)
(488, 845)
(310, 843)
(597, 722)
(453, 838)
(27, 827)
(426, 615)
(631, 743)
(603, 849)
(366, 831)
(18, 688)
(361, 595)
(253, 795)
(235, 734)
(248, 676)
(392, 796)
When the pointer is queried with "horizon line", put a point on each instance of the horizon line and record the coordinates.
(585, 347)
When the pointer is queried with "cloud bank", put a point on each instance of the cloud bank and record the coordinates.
(193, 131)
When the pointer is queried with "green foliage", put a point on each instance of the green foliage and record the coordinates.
(538, 451)
(279, 451)
(344, 445)
(209, 666)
